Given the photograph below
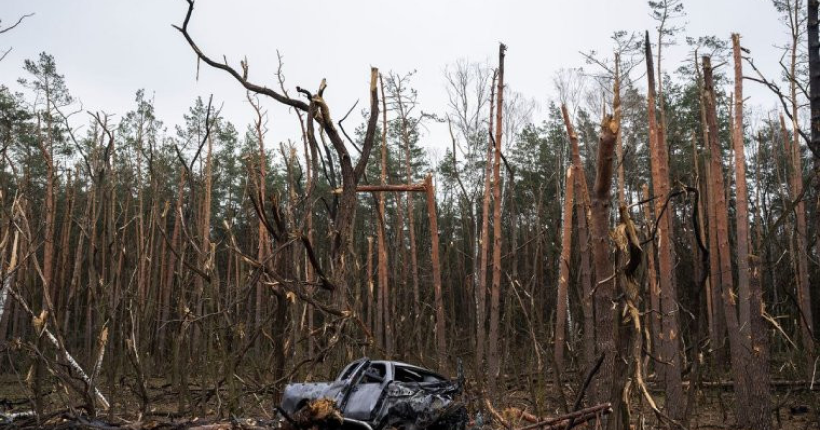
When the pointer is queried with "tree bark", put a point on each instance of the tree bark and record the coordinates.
(601, 249)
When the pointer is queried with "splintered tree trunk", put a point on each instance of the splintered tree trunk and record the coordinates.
(601, 249)
(581, 213)
(563, 273)
(495, 294)
(717, 325)
(721, 223)
(670, 332)
(441, 334)
(742, 194)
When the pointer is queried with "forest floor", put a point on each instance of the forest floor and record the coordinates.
(794, 409)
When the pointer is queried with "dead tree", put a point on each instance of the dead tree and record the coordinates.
(317, 111)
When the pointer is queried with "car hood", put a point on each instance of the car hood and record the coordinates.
(296, 394)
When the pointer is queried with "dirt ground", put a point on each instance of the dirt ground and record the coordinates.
(795, 410)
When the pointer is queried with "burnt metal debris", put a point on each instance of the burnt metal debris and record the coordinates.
(376, 395)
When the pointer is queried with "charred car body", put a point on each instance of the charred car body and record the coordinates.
(377, 395)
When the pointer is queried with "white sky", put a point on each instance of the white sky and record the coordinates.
(107, 49)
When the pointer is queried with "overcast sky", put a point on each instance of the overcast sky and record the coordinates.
(108, 49)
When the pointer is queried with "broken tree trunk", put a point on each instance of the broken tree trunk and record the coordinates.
(717, 324)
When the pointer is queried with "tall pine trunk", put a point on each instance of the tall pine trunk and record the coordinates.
(721, 223)
(495, 293)
(670, 330)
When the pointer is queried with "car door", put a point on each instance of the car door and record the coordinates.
(365, 396)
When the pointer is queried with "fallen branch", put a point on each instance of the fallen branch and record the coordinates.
(63, 352)
(574, 418)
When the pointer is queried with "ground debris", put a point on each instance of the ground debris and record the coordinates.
(317, 414)
(67, 420)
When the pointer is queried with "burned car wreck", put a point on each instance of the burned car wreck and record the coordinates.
(376, 395)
